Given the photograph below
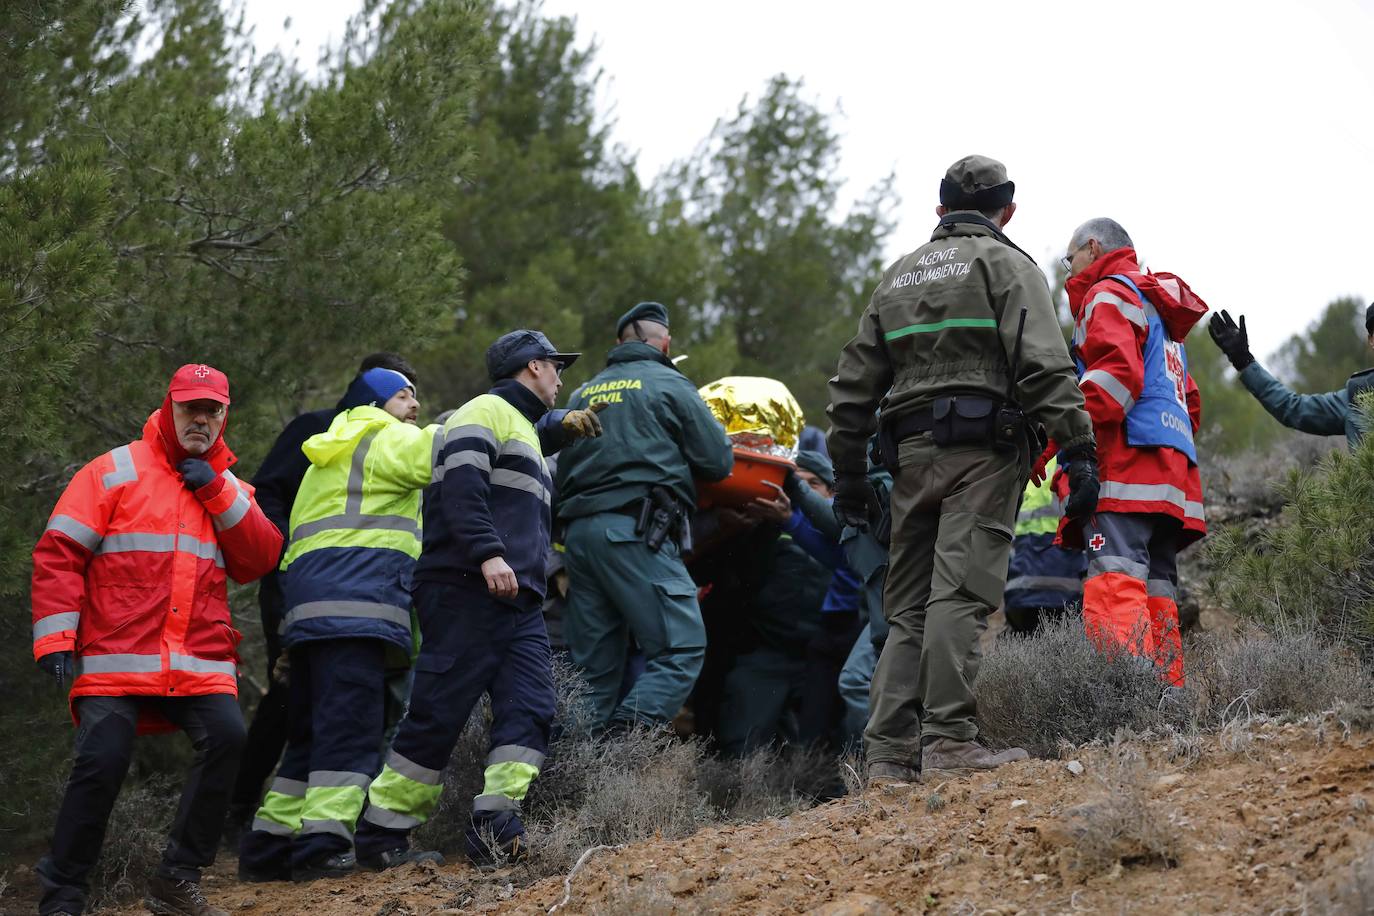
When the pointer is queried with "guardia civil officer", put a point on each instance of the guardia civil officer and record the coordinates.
(937, 346)
(628, 578)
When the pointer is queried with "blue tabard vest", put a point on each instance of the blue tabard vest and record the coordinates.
(1160, 417)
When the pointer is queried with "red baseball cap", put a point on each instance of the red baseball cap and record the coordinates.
(195, 381)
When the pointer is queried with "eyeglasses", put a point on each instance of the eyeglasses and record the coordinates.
(1067, 260)
(214, 410)
(557, 366)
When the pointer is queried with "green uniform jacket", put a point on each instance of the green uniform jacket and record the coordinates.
(943, 319)
(658, 430)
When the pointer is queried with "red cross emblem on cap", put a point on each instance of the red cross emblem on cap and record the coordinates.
(202, 371)
(1097, 542)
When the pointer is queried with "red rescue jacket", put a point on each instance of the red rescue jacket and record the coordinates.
(1110, 331)
(130, 574)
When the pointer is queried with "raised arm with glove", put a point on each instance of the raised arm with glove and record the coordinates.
(1231, 338)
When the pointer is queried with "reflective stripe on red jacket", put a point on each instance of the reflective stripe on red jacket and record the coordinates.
(1110, 331)
(130, 574)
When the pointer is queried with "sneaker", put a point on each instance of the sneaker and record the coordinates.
(945, 757)
(495, 837)
(262, 875)
(171, 897)
(891, 774)
(338, 865)
(402, 855)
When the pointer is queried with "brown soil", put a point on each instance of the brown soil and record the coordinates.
(1265, 820)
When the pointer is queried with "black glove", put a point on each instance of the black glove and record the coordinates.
(1080, 466)
(59, 665)
(196, 473)
(1231, 338)
(855, 502)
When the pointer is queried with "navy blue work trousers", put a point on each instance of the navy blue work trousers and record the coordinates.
(472, 644)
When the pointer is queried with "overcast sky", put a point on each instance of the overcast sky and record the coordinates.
(1233, 140)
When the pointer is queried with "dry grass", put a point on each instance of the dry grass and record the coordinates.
(611, 791)
(134, 841)
(1122, 825)
(1056, 688)
(1289, 671)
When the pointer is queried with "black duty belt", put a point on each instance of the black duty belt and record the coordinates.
(912, 424)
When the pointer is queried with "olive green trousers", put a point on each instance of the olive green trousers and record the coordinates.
(953, 509)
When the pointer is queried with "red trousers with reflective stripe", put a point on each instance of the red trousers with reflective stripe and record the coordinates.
(1130, 594)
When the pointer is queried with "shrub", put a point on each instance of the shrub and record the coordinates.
(1057, 688)
(1290, 671)
(134, 841)
(1315, 566)
(1054, 687)
(1122, 824)
(608, 791)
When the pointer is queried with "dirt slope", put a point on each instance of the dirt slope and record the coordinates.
(1253, 822)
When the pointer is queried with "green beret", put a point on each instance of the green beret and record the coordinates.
(645, 311)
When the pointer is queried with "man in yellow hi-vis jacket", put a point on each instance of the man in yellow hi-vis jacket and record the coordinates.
(355, 538)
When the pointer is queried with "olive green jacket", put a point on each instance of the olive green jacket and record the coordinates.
(657, 431)
(943, 320)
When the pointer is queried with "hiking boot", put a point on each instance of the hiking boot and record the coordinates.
(253, 875)
(171, 897)
(945, 757)
(891, 774)
(495, 837)
(338, 865)
(402, 855)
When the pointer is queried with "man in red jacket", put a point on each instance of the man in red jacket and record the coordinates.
(129, 605)
(1129, 328)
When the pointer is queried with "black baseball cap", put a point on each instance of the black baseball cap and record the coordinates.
(513, 351)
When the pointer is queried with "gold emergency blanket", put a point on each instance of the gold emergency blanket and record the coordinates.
(759, 414)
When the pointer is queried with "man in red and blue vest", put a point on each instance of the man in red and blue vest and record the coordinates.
(1129, 328)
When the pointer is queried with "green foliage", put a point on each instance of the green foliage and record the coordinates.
(787, 279)
(1318, 360)
(1232, 420)
(1315, 566)
(190, 202)
(1331, 350)
(551, 220)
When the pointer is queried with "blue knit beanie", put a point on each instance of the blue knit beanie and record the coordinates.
(376, 387)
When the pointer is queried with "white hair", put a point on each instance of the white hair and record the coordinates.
(1108, 233)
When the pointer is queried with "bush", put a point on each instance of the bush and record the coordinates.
(596, 791)
(1290, 671)
(134, 840)
(1315, 566)
(1056, 687)
(1122, 824)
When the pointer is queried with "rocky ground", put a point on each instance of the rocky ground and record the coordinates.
(1265, 818)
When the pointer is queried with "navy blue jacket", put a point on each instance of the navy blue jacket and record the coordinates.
(492, 494)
